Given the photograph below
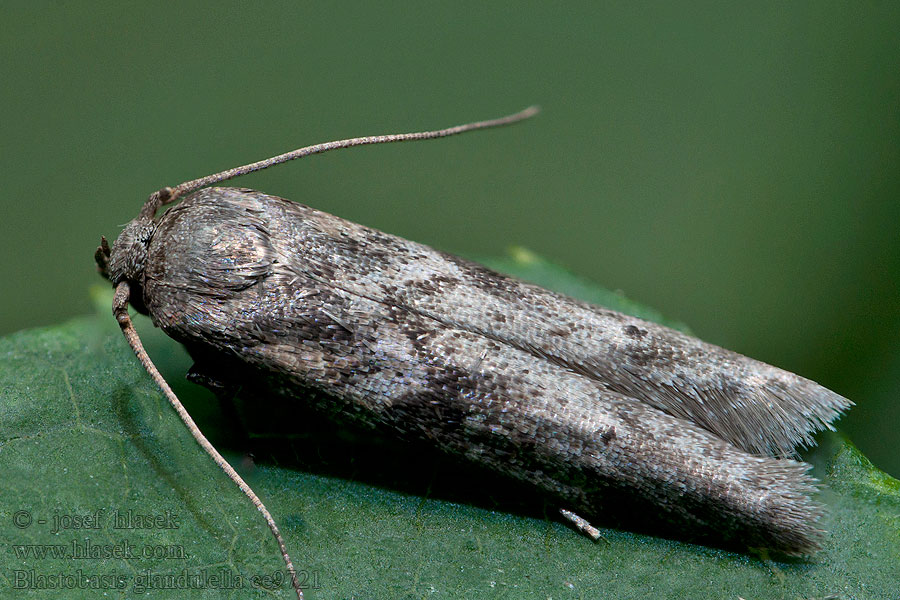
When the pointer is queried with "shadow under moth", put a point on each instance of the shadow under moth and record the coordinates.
(579, 401)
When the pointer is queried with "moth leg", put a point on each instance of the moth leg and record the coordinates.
(225, 392)
(208, 378)
(582, 525)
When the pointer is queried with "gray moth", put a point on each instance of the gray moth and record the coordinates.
(579, 401)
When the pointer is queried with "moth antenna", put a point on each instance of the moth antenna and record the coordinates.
(120, 310)
(168, 195)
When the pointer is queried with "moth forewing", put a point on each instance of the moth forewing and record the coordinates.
(396, 334)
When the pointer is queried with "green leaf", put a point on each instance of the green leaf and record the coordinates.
(83, 432)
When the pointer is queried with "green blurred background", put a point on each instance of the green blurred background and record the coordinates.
(736, 167)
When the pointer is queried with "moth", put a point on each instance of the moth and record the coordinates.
(581, 402)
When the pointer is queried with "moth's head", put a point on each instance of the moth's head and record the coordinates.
(128, 256)
(126, 260)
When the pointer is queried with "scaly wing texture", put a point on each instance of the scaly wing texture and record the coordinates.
(753, 405)
(580, 401)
